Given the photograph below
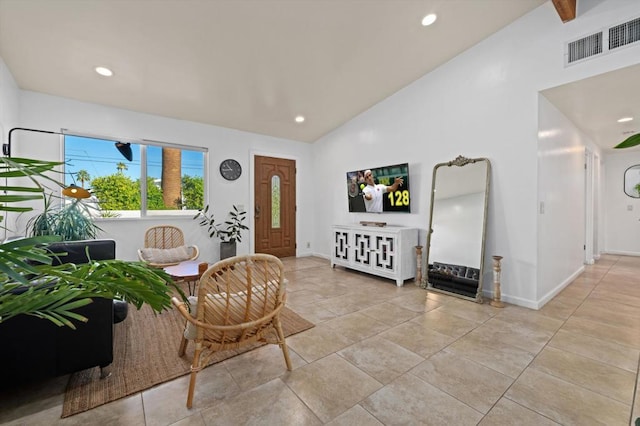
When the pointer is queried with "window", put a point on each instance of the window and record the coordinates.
(173, 176)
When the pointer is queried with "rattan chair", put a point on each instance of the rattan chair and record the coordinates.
(164, 246)
(239, 303)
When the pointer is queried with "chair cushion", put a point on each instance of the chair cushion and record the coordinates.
(172, 255)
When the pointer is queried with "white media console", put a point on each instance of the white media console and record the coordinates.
(387, 251)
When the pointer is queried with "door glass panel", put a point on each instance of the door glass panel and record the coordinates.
(275, 201)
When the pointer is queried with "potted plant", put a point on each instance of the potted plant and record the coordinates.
(54, 292)
(230, 235)
(72, 221)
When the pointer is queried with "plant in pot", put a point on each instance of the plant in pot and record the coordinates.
(230, 235)
(72, 221)
(30, 285)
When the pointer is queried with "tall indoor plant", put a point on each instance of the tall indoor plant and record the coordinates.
(30, 285)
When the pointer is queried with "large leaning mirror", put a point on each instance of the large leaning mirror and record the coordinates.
(457, 225)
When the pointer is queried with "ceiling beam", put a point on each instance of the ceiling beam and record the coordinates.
(566, 9)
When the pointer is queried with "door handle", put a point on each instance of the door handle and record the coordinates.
(257, 212)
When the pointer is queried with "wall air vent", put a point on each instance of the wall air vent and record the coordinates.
(624, 34)
(605, 41)
(585, 47)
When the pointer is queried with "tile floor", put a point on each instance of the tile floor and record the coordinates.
(380, 354)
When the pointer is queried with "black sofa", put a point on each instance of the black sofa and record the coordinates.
(33, 348)
(457, 279)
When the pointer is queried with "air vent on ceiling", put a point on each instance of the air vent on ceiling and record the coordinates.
(624, 34)
(602, 42)
(585, 47)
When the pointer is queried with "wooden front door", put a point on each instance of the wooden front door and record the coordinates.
(275, 206)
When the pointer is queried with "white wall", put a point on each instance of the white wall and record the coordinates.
(622, 225)
(483, 103)
(9, 104)
(561, 200)
(45, 112)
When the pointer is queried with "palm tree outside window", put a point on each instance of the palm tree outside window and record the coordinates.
(173, 176)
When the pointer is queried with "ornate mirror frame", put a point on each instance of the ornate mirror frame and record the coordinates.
(457, 273)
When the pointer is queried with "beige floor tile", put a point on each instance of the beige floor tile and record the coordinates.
(417, 338)
(317, 342)
(462, 346)
(193, 420)
(272, 403)
(601, 293)
(357, 326)
(509, 413)
(27, 399)
(529, 318)
(445, 323)
(380, 358)
(469, 310)
(604, 311)
(355, 416)
(166, 403)
(499, 356)
(313, 312)
(609, 381)
(416, 301)
(303, 297)
(619, 334)
(125, 411)
(477, 386)
(530, 339)
(331, 386)
(389, 313)
(260, 366)
(341, 305)
(620, 356)
(564, 402)
(621, 285)
(576, 292)
(46, 416)
(561, 307)
(411, 401)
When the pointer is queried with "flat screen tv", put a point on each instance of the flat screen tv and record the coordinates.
(379, 188)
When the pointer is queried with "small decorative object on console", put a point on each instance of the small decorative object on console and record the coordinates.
(370, 223)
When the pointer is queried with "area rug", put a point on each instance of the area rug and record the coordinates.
(146, 354)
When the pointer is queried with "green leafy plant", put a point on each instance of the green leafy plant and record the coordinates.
(30, 285)
(637, 188)
(72, 221)
(631, 141)
(207, 220)
(233, 226)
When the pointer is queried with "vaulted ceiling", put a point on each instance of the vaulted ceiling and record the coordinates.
(251, 65)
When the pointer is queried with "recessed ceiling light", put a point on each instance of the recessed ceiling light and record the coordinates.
(299, 119)
(104, 71)
(625, 119)
(429, 19)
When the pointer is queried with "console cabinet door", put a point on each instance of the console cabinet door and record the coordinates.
(385, 257)
(341, 245)
(362, 246)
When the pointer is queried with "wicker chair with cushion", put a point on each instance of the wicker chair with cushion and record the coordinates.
(164, 246)
(239, 303)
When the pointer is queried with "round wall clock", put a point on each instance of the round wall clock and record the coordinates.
(230, 169)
